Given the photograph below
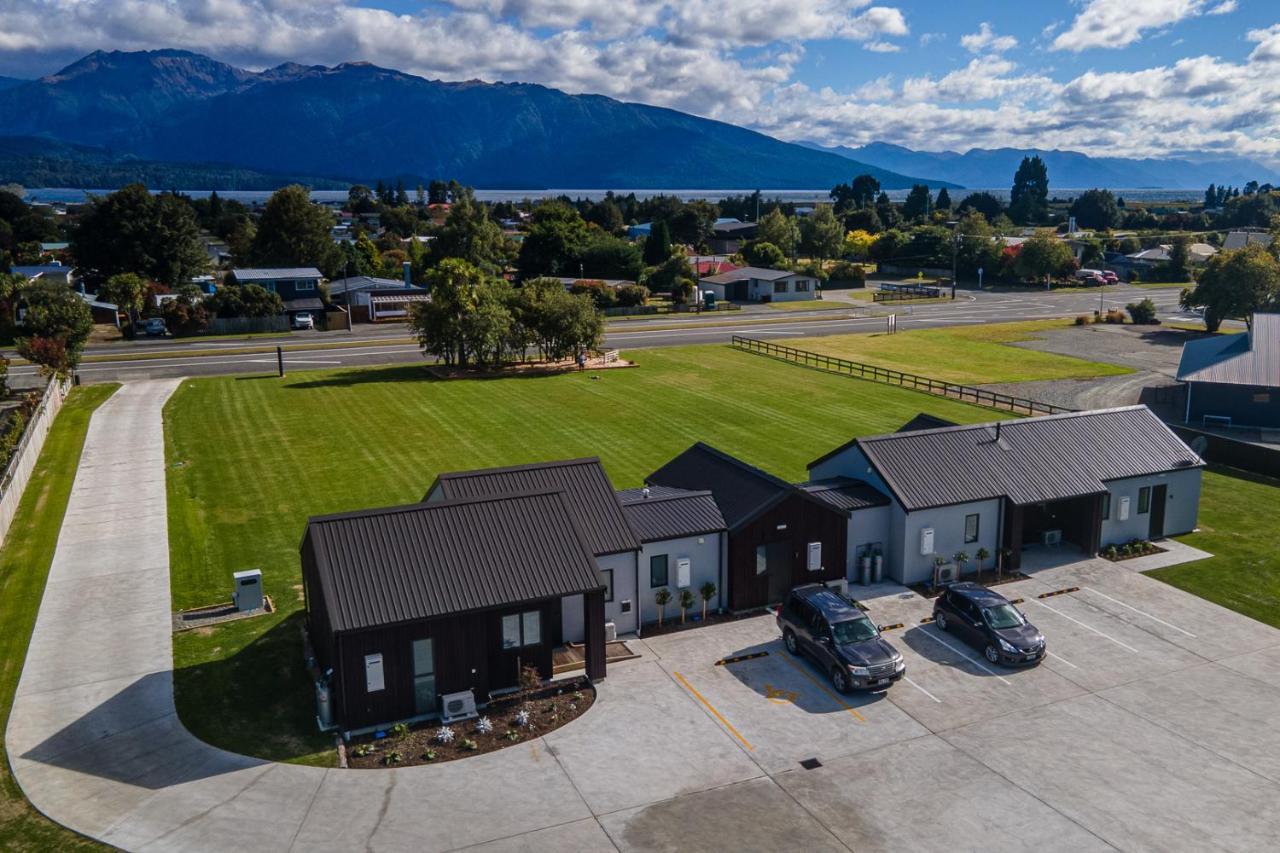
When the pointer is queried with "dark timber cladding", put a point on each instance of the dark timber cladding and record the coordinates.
(448, 571)
(773, 526)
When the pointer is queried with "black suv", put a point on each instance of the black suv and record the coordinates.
(823, 624)
(988, 621)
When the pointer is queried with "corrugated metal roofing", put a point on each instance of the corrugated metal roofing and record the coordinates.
(425, 560)
(592, 501)
(741, 490)
(747, 273)
(1028, 460)
(925, 421)
(267, 273)
(1252, 358)
(845, 493)
(671, 513)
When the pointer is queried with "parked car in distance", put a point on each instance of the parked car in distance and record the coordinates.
(153, 327)
(819, 622)
(987, 620)
(1111, 277)
(304, 320)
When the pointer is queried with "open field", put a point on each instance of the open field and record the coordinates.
(1237, 526)
(973, 355)
(251, 458)
(24, 565)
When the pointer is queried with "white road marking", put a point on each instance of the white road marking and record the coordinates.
(1060, 658)
(976, 663)
(921, 689)
(1143, 612)
(291, 361)
(1083, 625)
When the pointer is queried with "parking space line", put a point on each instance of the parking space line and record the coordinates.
(799, 667)
(711, 708)
(1089, 627)
(1143, 612)
(1060, 658)
(978, 664)
(921, 689)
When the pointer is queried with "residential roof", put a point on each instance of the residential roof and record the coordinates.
(1029, 460)
(666, 513)
(733, 226)
(925, 421)
(35, 270)
(1252, 358)
(592, 502)
(748, 273)
(269, 274)
(845, 493)
(425, 560)
(355, 283)
(1240, 239)
(306, 303)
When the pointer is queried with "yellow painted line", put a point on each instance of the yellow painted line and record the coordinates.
(712, 709)
(800, 669)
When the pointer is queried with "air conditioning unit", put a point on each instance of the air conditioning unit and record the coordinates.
(457, 706)
(610, 631)
(1051, 537)
(947, 573)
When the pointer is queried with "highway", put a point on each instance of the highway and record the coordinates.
(166, 358)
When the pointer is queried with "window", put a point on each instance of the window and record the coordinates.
(762, 559)
(657, 571)
(779, 287)
(802, 286)
(971, 528)
(1106, 506)
(1144, 500)
(521, 629)
(304, 284)
(607, 575)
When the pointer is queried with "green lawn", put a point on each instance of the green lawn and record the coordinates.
(1237, 526)
(251, 458)
(808, 305)
(974, 355)
(24, 566)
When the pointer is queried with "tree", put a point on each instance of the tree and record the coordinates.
(606, 256)
(864, 189)
(127, 291)
(1029, 197)
(1178, 267)
(186, 314)
(1044, 256)
(917, 204)
(944, 200)
(438, 323)
(780, 230)
(888, 244)
(554, 244)
(977, 247)
(985, 203)
(1142, 313)
(132, 231)
(470, 235)
(857, 243)
(864, 219)
(691, 224)
(1211, 196)
(293, 232)
(662, 598)
(686, 601)
(673, 270)
(559, 323)
(981, 557)
(761, 253)
(1236, 284)
(360, 199)
(11, 285)
(1096, 210)
(657, 246)
(707, 592)
(606, 215)
(243, 300)
(56, 325)
(822, 235)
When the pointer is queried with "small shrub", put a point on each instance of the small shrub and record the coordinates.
(484, 726)
(393, 757)
(399, 730)
(1115, 316)
(469, 745)
(1143, 313)
(361, 750)
(429, 755)
(1084, 319)
(632, 295)
(444, 734)
(512, 734)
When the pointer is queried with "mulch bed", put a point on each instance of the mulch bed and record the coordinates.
(526, 368)
(673, 626)
(1144, 549)
(984, 578)
(549, 708)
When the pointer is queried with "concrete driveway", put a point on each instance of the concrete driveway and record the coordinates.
(1151, 728)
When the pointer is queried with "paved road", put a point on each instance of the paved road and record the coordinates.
(380, 345)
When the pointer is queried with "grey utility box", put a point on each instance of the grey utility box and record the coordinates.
(248, 592)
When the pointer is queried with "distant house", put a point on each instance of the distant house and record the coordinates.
(374, 300)
(297, 287)
(639, 231)
(728, 235)
(703, 267)
(1234, 380)
(47, 272)
(754, 284)
(1244, 237)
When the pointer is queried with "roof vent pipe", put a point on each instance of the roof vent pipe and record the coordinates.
(408, 274)
(645, 492)
(998, 425)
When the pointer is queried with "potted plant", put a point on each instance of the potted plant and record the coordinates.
(708, 592)
(980, 556)
(961, 558)
(662, 598)
(686, 601)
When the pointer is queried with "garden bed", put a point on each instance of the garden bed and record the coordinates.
(987, 578)
(1130, 551)
(695, 620)
(548, 708)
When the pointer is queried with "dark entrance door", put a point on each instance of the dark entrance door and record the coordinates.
(1159, 497)
(738, 291)
(777, 563)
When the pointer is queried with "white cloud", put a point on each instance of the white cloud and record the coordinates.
(1268, 49)
(1118, 23)
(1226, 7)
(986, 41)
(881, 47)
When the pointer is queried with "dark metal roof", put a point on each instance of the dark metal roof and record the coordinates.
(384, 566)
(670, 513)
(306, 303)
(925, 421)
(591, 498)
(1252, 358)
(748, 273)
(1029, 460)
(845, 493)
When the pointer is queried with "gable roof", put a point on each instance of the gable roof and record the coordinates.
(592, 502)
(748, 273)
(384, 566)
(845, 493)
(667, 513)
(920, 421)
(355, 283)
(1028, 460)
(1252, 358)
(268, 274)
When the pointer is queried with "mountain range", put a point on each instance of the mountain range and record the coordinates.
(360, 122)
(982, 167)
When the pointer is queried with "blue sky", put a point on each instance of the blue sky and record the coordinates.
(1122, 77)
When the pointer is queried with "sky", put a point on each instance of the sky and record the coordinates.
(1113, 77)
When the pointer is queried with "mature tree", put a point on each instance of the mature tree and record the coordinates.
(555, 242)
(294, 232)
(663, 279)
(927, 246)
(438, 323)
(918, 203)
(780, 230)
(821, 234)
(691, 224)
(657, 246)
(11, 285)
(56, 325)
(977, 246)
(360, 199)
(606, 256)
(606, 215)
(1043, 256)
(864, 219)
(133, 231)
(1178, 267)
(186, 313)
(761, 253)
(887, 211)
(985, 203)
(888, 244)
(1029, 197)
(1236, 284)
(1096, 210)
(944, 200)
(857, 244)
(401, 221)
(127, 291)
(243, 300)
(470, 235)
(863, 190)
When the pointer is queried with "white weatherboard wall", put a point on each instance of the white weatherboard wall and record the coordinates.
(1181, 506)
(868, 526)
(706, 556)
(948, 537)
(23, 461)
(624, 583)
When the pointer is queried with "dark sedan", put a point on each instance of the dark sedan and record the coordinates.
(988, 621)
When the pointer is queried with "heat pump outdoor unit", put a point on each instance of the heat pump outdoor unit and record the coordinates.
(947, 573)
(1051, 537)
(457, 706)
